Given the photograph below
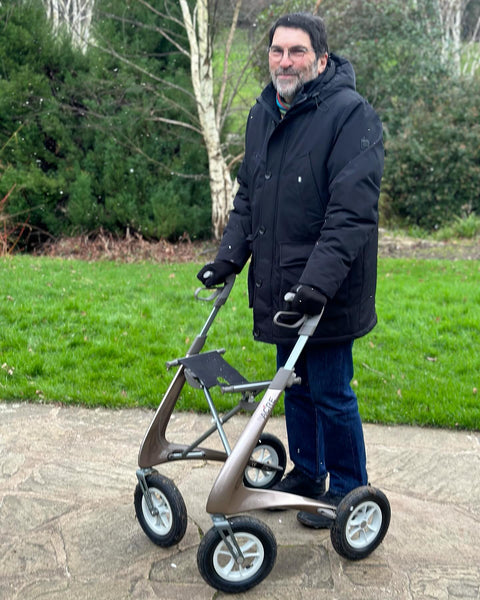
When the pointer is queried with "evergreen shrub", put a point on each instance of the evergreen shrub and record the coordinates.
(432, 172)
(78, 137)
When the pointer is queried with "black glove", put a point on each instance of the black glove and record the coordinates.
(216, 272)
(306, 299)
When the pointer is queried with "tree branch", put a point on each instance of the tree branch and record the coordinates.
(240, 79)
(163, 32)
(128, 62)
(174, 122)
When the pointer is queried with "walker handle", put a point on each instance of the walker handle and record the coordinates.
(213, 293)
(284, 318)
(307, 323)
(289, 319)
(220, 293)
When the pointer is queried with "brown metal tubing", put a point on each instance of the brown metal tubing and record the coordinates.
(229, 495)
(155, 448)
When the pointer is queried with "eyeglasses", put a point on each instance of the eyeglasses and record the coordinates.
(294, 53)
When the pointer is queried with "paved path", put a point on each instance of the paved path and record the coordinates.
(68, 528)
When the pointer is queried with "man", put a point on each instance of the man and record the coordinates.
(306, 212)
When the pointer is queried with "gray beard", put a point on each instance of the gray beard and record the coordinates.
(289, 91)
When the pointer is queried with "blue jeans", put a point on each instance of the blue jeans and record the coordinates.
(324, 429)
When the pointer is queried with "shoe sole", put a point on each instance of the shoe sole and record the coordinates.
(317, 524)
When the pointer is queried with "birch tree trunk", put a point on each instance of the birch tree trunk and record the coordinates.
(451, 14)
(200, 43)
(75, 16)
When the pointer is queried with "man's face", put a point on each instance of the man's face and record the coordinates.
(292, 61)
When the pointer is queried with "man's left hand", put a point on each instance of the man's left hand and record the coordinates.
(306, 299)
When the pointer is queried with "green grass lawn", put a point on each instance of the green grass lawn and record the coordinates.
(100, 333)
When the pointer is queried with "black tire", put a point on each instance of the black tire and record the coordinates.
(271, 452)
(362, 521)
(168, 527)
(216, 564)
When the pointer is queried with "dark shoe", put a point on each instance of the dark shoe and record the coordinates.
(297, 483)
(319, 521)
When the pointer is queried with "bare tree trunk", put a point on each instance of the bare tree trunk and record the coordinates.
(451, 14)
(197, 28)
(75, 16)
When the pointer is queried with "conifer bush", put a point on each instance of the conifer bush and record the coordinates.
(77, 140)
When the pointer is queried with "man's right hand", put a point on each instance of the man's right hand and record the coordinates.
(216, 272)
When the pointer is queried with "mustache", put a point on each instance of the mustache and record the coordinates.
(288, 71)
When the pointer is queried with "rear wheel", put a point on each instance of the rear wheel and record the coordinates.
(169, 523)
(267, 463)
(362, 521)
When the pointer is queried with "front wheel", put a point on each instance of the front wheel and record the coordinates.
(267, 463)
(219, 567)
(169, 523)
(362, 521)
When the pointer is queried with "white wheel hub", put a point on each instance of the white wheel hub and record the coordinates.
(363, 525)
(161, 523)
(230, 569)
(259, 477)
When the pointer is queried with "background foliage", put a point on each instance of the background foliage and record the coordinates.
(429, 112)
(78, 140)
(81, 142)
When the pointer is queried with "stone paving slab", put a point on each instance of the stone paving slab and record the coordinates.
(68, 528)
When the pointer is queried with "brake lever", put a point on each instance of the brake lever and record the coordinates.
(213, 293)
(289, 314)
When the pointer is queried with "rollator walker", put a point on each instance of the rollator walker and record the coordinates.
(239, 551)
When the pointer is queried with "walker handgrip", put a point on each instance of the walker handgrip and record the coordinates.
(225, 290)
(279, 317)
(310, 324)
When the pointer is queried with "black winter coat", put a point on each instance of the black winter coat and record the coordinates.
(307, 206)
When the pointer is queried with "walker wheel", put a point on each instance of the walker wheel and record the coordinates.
(167, 527)
(222, 571)
(270, 452)
(362, 521)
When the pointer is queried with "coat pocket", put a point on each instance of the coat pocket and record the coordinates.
(293, 258)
